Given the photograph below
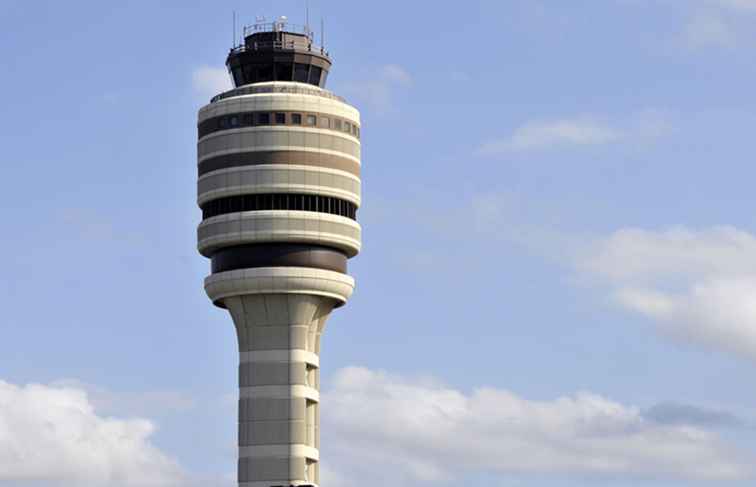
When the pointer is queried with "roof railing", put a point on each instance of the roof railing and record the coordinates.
(278, 45)
(281, 25)
(272, 88)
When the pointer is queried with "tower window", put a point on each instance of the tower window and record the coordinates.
(283, 71)
(265, 73)
(314, 78)
(250, 119)
(301, 72)
(250, 73)
(238, 78)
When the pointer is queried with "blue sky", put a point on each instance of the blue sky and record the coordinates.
(558, 278)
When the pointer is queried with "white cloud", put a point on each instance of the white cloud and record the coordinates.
(396, 74)
(377, 90)
(554, 133)
(697, 285)
(743, 5)
(425, 432)
(52, 436)
(579, 131)
(718, 23)
(208, 81)
(139, 403)
(706, 29)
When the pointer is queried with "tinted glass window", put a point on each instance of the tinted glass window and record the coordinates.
(265, 73)
(283, 71)
(301, 72)
(238, 79)
(314, 75)
(249, 119)
(250, 73)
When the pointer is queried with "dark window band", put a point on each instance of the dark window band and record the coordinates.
(255, 158)
(292, 119)
(286, 201)
(278, 255)
(255, 89)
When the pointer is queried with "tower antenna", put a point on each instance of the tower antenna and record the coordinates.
(233, 44)
(307, 19)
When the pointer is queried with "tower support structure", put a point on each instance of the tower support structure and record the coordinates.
(279, 188)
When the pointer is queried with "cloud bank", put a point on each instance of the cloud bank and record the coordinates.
(579, 131)
(427, 432)
(51, 436)
(208, 81)
(696, 285)
(379, 89)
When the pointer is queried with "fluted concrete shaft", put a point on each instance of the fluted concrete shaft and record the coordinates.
(279, 338)
(279, 315)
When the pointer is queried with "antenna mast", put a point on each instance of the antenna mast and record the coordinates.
(307, 19)
(233, 44)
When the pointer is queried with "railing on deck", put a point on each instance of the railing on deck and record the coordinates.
(252, 90)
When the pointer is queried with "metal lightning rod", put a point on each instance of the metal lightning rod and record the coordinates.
(307, 19)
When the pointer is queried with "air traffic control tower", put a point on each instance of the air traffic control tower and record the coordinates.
(278, 160)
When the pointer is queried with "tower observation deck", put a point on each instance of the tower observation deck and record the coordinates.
(278, 162)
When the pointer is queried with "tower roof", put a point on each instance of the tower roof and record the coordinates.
(278, 51)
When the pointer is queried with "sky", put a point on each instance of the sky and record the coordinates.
(557, 285)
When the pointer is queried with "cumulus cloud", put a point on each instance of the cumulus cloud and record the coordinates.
(396, 74)
(423, 431)
(553, 133)
(208, 81)
(579, 131)
(137, 403)
(718, 24)
(52, 436)
(379, 88)
(687, 414)
(743, 5)
(709, 29)
(697, 285)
